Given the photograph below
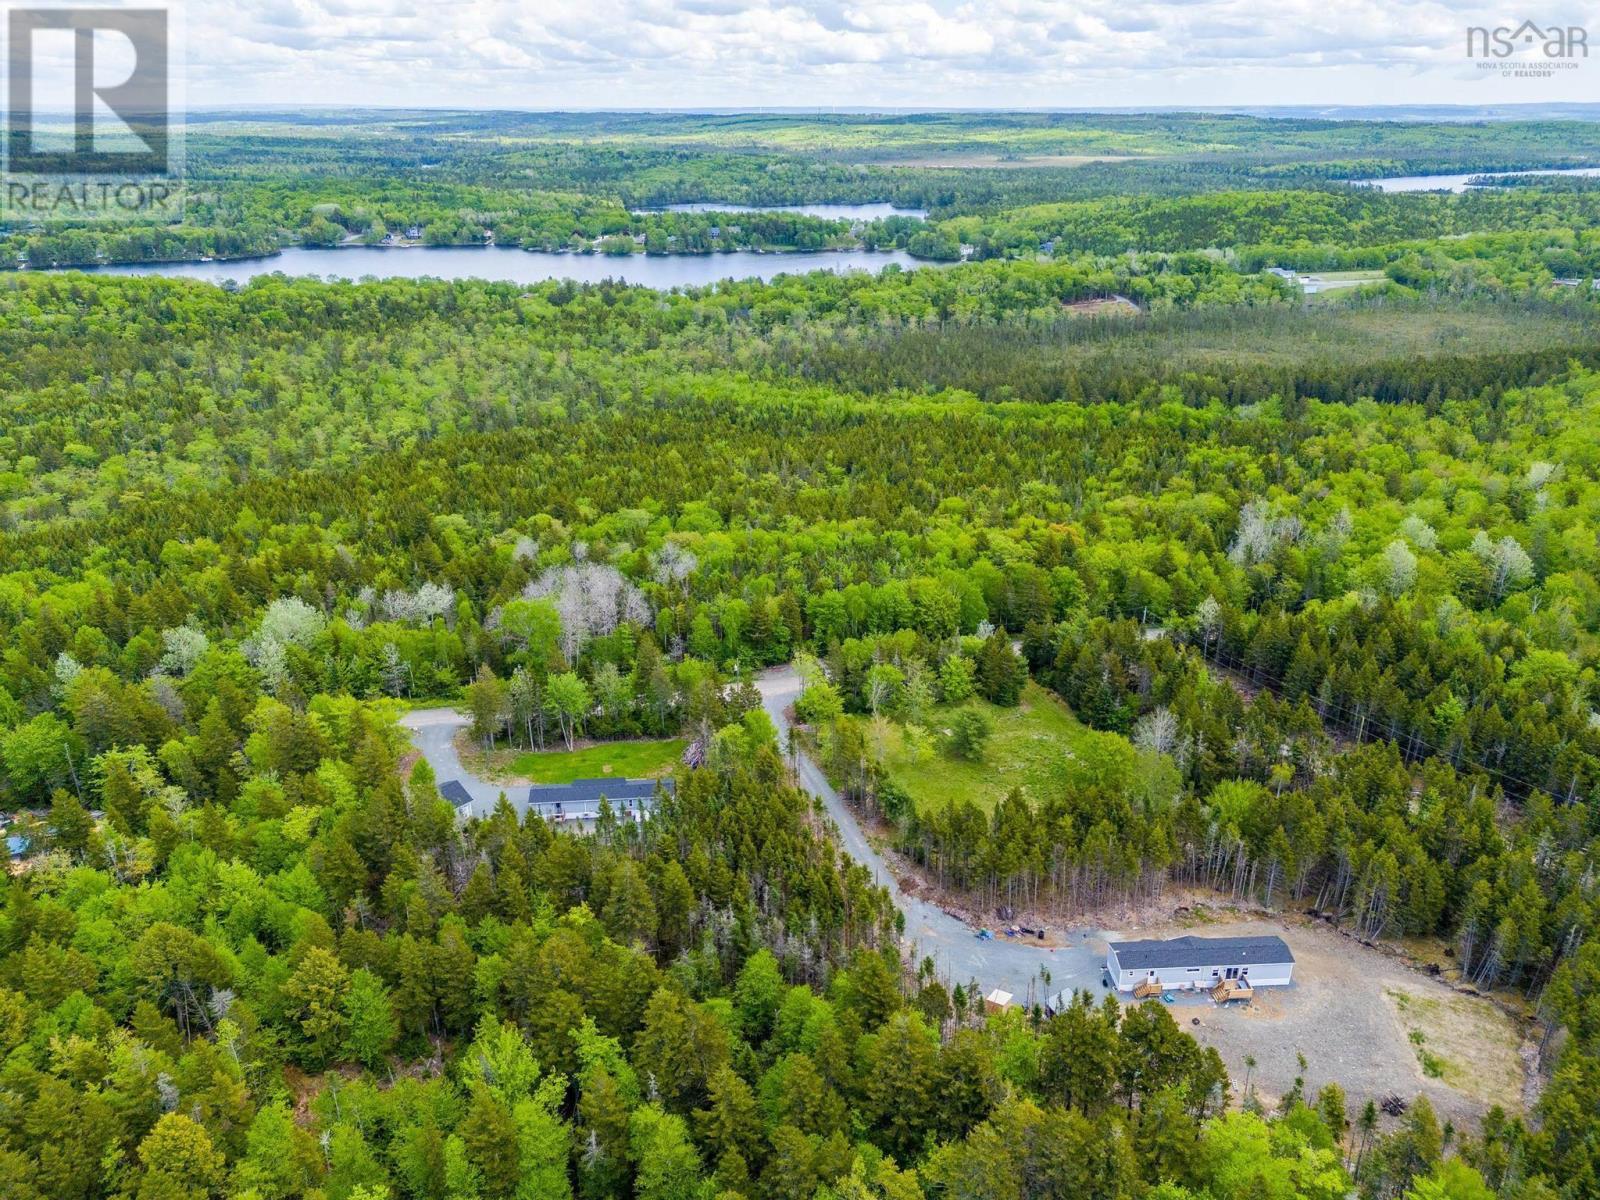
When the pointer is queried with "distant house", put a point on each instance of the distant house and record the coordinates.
(18, 849)
(997, 1001)
(1283, 273)
(1197, 962)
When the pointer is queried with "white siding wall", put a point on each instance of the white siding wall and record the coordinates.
(1261, 975)
(1185, 977)
(1272, 974)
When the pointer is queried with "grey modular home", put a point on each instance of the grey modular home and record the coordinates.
(1198, 962)
(630, 799)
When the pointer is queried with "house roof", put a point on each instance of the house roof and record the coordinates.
(1201, 952)
(581, 795)
(589, 791)
(999, 997)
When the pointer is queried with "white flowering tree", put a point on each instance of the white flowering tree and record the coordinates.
(181, 648)
(1399, 568)
(288, 621)
(1509, 564)
(592, 600)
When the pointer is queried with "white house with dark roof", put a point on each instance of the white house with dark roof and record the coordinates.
(630, 799)
(1198, 962)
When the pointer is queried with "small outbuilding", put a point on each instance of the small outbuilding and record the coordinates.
(1190, 963)
(997, 1001)
(455, 791)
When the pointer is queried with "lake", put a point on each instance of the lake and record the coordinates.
(505, 264)
(1457, 183)
(831, 212)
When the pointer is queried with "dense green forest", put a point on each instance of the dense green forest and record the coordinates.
(1324, 578)
(406, 465)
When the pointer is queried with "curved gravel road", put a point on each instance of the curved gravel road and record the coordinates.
(953, 944)
(1014, 966)
(433, 731)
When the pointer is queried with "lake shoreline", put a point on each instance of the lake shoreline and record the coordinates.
(509, 264)
(564, 253)
(1458, 182)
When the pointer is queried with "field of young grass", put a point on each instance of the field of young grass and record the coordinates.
(1038, 747)
(618, 760)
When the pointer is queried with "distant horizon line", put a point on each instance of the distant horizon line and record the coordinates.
(1533, 111)
(870, 109)
(1586, 111)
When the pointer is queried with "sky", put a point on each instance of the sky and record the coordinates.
(542, 54)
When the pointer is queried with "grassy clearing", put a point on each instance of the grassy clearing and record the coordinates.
(1322, 287)
(1464, 1043)
(1002, 162)
(620, 760)
(600, 760)
(1039, 747)
(1346, 276)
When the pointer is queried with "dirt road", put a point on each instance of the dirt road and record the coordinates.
(953, 945)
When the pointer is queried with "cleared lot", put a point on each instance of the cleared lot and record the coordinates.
(1362, 1020)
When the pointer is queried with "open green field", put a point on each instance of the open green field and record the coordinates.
(1322, 287)
(1039, 747)
(623, 760)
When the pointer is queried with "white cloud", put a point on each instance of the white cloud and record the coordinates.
(679, 53)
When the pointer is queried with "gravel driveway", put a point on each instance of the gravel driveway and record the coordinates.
(951, 942)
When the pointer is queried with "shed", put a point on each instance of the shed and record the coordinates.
(1198, 962)
(456, 792)
(997, 1001)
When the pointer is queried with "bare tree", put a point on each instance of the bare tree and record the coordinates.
(592, 599)
(1157, 731)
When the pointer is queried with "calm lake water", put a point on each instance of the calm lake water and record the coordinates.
(832, 212)
(1457, 183)
(504, 264)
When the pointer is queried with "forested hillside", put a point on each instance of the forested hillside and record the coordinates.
(235, 522)
(1314, 579)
